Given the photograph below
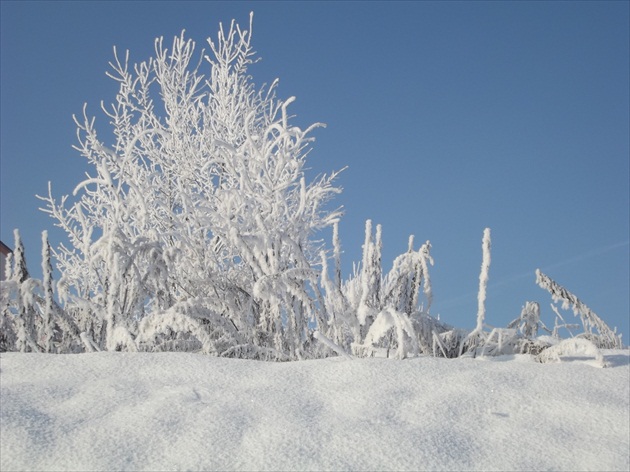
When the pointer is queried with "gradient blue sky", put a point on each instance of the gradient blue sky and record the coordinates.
(451, 117)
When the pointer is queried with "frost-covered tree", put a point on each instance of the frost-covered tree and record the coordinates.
(8, 337)
(195, 227)
(25, 288)
(30, 317)
(47, 328)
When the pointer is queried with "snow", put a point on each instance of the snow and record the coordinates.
(184, 411)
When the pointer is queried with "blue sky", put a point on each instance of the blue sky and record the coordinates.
(451, 116)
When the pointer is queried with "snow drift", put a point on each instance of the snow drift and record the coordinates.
(182, 411)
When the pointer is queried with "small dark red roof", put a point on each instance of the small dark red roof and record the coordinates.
(4, 249)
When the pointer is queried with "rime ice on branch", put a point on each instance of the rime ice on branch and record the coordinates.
(607, 337)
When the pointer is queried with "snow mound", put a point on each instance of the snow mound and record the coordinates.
(178, 411)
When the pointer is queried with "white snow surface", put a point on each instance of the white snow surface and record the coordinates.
(178, 411)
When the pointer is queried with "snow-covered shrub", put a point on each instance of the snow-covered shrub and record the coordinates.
(448, 343)
(372, 314)
(201, 199)
(402, 330)
(408, 276)
(528, 322)
(527, 325)
(500, 341)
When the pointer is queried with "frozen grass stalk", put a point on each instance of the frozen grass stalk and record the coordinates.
(607, 337)
(483, 282)
(473, 337)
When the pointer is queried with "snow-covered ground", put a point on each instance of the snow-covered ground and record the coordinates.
(176, 411)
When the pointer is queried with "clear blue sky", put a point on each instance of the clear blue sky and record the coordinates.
(451, 117)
